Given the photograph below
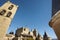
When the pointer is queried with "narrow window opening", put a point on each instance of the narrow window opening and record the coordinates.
(11, 7)
(2, 12)
(9, 14)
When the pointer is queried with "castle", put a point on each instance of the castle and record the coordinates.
(24, 33)
(7, 12)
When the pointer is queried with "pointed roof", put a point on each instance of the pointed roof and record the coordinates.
(45, 35)
(34, 32)
(39, 35)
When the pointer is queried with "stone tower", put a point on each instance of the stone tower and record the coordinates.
(7, 12)
(54, 23)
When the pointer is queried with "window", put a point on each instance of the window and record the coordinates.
(9, 14)
(2, 12)
(29, 33)
(10, 8)
(24, 29)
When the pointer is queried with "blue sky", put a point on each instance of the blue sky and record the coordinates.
(32, 14)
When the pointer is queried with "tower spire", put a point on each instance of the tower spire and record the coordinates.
(45, 34)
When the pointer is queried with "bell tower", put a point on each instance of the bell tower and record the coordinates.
(54, 23)
(7, 12)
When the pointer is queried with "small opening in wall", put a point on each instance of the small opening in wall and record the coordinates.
(9, 14)
(11, 7)
(24, 29)
(2, 12)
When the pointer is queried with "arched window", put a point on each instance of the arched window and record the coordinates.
(11, 6)
(9, 14)
(2, 12)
